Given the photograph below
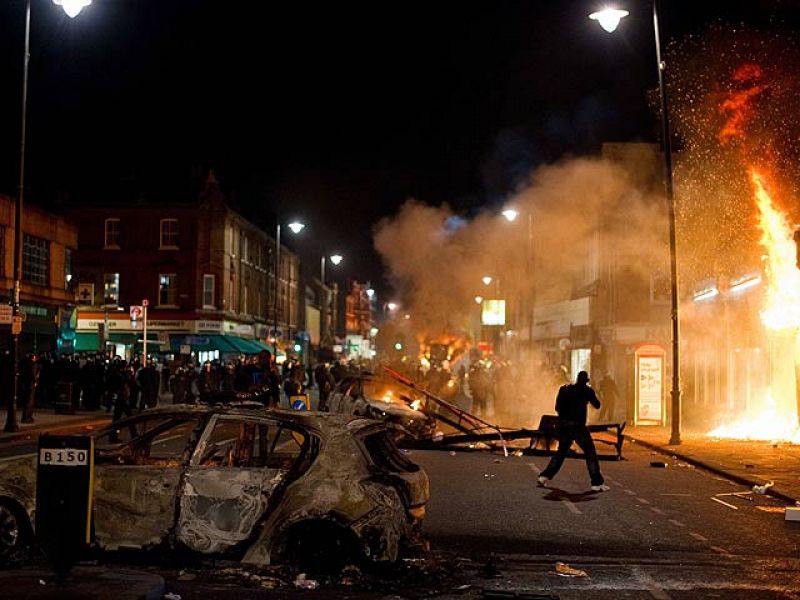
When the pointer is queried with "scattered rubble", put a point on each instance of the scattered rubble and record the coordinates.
(564, 570)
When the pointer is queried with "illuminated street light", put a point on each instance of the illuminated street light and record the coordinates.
(336, 259)
(392, 306)
(478, 299)
(370, 293)
(296, 227)
(72, 7)
(510, 214)
(486, 280)
(609, 19)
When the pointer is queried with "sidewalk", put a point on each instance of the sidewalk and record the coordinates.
(46, 419)
(746, 462)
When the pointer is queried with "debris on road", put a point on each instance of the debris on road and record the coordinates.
(171, 596)
(729, 505)
(792, 513)
(658, 464)
(762, 489)
(564, 570)
(302, 583)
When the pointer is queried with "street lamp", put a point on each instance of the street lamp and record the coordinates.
(72, 8)
(609, 19)
(295, 227)
(336, 259)
(511, 215)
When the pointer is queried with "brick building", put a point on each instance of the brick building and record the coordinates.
(207, 273)
(48, 246)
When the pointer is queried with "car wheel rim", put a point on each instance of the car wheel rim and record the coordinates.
(9, 529)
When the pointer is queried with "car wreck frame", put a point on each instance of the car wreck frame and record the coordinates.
(297, 487)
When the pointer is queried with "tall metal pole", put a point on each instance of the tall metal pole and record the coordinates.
(531, 283)
(11, 417)
(322, 269)
(675, 437)
(277, 287)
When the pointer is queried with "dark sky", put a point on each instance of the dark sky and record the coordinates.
(332, 112)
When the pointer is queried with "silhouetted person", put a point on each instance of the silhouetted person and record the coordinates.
(609, 394)
(571, 404)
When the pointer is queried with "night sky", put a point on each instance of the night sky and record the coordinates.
(333, 113)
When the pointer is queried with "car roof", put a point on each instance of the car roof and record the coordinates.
(311, 419)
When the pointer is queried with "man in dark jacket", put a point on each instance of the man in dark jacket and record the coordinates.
(571, 404)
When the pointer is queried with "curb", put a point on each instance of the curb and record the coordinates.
(38, 430)
(716, 470)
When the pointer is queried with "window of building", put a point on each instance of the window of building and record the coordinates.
(67, 268)
(208, 291)
(2, 250)
(35, 260)
(111, 289)
(169, 233)
(244, 300)
(112, 234)
(243, 248)
(168, 289)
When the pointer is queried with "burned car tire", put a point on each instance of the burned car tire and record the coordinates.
(15, 530)
(321, 548)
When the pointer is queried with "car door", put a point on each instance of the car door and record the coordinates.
(136, 482)
(229, 482)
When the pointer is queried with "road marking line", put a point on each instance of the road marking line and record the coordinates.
(725, 503)
(658, 511)
(720, 550)
(681, 495)
(17, 456)
(676, 523)
(643, 500)
(629, 492)
(697, 536)
(574, 509)
(650, 584)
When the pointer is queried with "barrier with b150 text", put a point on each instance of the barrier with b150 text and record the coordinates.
(64, 482)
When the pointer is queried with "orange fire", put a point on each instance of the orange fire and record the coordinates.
(776, 418)
(738, 105)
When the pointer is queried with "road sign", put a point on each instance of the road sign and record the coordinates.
(186, 349)
(6, 312)
(299, 402)
(16, 325)
(145, 302)
(136, 312)
(85, 293)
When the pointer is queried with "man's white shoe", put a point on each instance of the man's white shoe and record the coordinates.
(600, 488)
(542, 481)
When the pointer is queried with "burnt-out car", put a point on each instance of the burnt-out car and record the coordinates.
(380, 397)
(261, 486)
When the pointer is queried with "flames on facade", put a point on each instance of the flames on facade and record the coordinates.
(776, 418)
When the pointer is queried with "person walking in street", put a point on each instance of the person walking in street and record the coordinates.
(325, 383)
(607, 389)
(571, 406)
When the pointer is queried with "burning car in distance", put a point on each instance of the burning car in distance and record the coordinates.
(244, 483)
(381, 397)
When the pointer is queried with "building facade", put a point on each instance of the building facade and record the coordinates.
(206, 274)
(48, 249)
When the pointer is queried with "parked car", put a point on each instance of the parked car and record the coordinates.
(383, 398)
(263, 486)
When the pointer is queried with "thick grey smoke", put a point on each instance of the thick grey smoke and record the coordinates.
(575, 206)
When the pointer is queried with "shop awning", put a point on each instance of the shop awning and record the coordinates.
(202, 343)
(86, 342)
(242, 345)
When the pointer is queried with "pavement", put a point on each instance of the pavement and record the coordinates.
(746, 462)
(83, 583)
(47, 420)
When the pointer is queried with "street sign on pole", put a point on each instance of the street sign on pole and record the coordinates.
(16, 325)
(136, 312)
(6, 312)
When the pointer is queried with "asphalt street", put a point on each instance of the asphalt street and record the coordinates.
(674, 532)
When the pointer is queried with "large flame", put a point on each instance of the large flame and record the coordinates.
(776, 418)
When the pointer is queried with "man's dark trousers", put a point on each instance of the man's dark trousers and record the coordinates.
(568, 432)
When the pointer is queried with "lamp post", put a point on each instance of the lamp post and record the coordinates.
(328, 322)
(609, 19)
(71, 8)
(530, 289)
(336, 259)
(295, 227)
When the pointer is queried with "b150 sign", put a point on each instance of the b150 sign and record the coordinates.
(63, 457)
